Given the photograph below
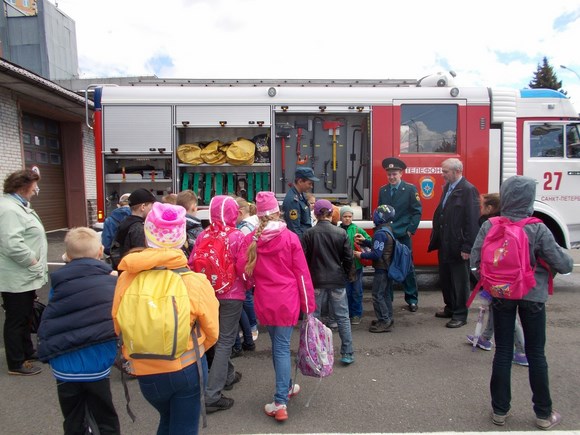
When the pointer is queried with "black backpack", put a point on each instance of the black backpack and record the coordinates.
(117, 250)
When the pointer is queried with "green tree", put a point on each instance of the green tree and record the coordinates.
(545, 78)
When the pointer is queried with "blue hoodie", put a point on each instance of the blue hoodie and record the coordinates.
(110, 226)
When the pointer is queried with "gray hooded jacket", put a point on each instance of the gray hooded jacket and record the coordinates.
(517, 196)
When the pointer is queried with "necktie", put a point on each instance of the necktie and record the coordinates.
(393, 190)
(447, 195)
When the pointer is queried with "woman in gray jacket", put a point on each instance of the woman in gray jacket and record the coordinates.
(517, 202)
(23, 268)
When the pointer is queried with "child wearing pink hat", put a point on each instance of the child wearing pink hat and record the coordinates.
(223, 214)
(272, 258)
(179, 378)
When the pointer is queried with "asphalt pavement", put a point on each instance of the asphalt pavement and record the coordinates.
(421, 377)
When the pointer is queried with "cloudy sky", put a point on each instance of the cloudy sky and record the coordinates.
(492, 43)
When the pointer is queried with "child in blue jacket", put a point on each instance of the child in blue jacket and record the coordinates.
(381, 253)
(77, 337)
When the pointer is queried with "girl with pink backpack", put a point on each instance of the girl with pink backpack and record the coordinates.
(271, 258)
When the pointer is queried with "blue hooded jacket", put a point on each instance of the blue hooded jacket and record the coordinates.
(382, 244)
(111, 225)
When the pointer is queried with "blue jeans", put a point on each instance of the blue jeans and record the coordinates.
(246, 331)
(518, 334)
(382, 296)
(338, 310)
(533, 318)
(280, 337)
(354, 291)
(249, 308)
(177, 398)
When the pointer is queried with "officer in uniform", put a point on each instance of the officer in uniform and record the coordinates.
(404, 198)
(295, 206)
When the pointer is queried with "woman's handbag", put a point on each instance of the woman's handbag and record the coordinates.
(37, 310)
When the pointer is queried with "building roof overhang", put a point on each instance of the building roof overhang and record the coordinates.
(34, 88)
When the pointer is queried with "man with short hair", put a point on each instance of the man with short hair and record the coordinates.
(295, 206)
(455, 227)
(403, 197)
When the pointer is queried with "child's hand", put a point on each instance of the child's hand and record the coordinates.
(114, 273)
(359, 238)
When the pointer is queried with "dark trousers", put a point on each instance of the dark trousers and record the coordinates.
(533, 318)
(454, 277)
(76, 397)
(222, 370)
(17, 341)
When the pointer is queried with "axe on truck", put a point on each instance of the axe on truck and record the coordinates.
(333, 125)
(300, 127)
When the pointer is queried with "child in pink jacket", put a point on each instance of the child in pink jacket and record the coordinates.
(272, 258)
(223, 211)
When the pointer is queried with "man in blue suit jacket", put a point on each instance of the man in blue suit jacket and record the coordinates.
(404, 198)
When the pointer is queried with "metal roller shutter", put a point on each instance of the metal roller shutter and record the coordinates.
(42, 148)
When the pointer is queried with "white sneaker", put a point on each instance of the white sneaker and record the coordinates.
(255, 334)
(277, 411)
(294, 390)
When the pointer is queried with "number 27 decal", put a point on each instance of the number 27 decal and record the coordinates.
(552, 178)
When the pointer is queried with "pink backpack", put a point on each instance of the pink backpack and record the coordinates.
(316, 351)
(212, 257)
(505, 270)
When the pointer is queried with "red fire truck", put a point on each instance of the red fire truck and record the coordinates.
(343, 130)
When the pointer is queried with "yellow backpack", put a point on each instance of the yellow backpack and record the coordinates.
(154, 315)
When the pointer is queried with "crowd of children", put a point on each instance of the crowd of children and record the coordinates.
(277, 276)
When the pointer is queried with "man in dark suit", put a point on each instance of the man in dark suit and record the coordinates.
(403, 197)
(455, 227)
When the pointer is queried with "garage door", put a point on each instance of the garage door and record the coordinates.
(42, 148)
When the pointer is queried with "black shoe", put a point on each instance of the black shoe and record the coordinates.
(251, 347)
(236, 353)
(455, 323)
(237, 378)
(221, 405)
(413, 308)
(443, 314)
(382, 326)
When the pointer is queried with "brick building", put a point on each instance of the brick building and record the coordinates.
(44, 125)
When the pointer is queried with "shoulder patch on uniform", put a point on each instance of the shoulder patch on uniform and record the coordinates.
(293, 214)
